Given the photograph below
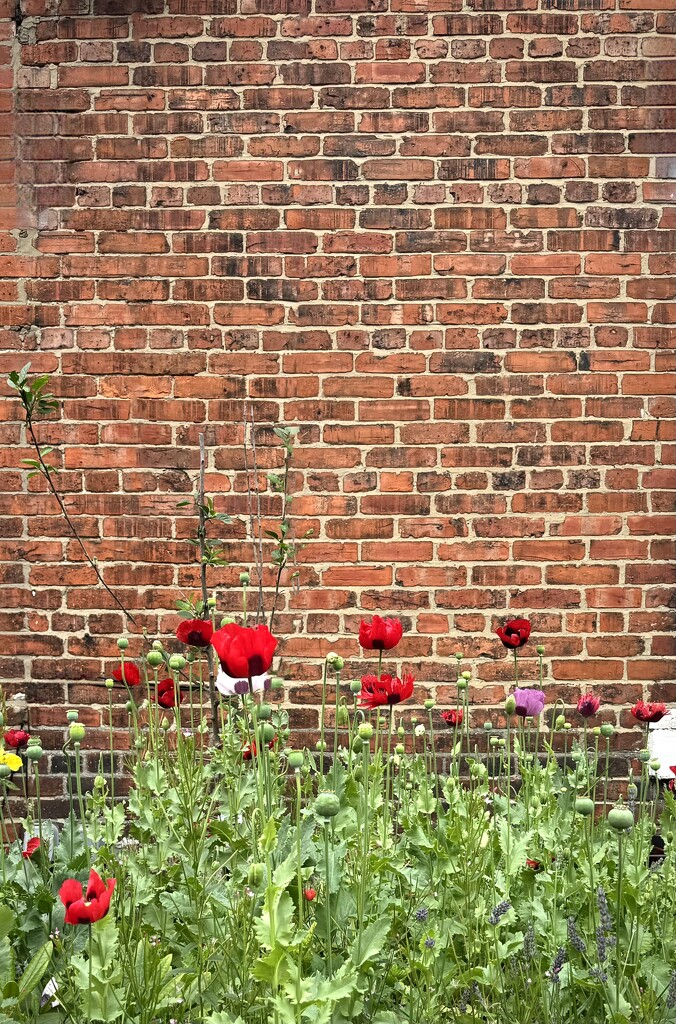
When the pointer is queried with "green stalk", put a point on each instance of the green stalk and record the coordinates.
(299, 866)
(327, 867)
(322, 723)
(78, 781)
(112, 747)
(386, 803)
(618, 958)
(335, 730)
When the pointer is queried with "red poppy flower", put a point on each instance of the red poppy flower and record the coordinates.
(648, 712)
(588, 705)
(132, 676)
(32, 847)
(244, 652)
(195, 632)
(309, 894)
(166, 694)
(376, 691)
(249, 750)
(380, 634)
(672, 769)
(86, 907)
(16, 738)
(515, 633)
(452, 717)
(534, 865)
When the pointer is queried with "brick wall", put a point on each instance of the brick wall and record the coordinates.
(434, 236)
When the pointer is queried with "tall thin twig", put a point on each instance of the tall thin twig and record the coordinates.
(202, 539)
(258, 543)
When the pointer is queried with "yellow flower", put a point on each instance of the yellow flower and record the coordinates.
(13, 762)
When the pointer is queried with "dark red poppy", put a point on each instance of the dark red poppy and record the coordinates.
(16, 738)
(515, 633)
(648, 711)
(588, 705)
(453, 718)
(244, 652)
(131, 676)
(380, 634)
(249, 750)
(533, 864)
(32, 847)
(377, 691)
(166, 694)
(672, 769)
(309, 894)
(86, 907)
(195, 632)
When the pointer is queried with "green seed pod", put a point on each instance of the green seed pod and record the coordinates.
(154, 658)
(494, 741)
(357, 745)
(584, 805)
(461, 683)
(644, 756)
(620, 818)
(190, 656)
(560, 722)
(157, 645)
(77, 732)
(576, 756)
(176, 662)
(5, 771)
(596, 731)
(540, 649)
(296, 759)
(2, 719)
(365, 730)
(123, 643)
(109, 684)
(327, 805)
(400, 748)
(607, 730)
(655, 764)
(510, 705)
(255, 875)
(211, 602)
(72, 716)
(429, 704)
(458, 655)
(227, 620)
(34, 741)
(488, 726)
(358, 773)
(502, 742)
(129, 706)
(401, 732)
(165, 723)
(33, 753)
(466, 675)
(320, 745)
(567, 726)
(355, 686)
(244, 579)
(632, 791)
(276, 683)
(267, 731)
(264, 712)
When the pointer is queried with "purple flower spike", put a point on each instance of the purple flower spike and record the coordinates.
(529, 703)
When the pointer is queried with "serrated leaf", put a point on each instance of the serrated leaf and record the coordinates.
(32, 976)
(372, 940)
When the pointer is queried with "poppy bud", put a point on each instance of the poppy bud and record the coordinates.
(34, 753)
(458, 655)
(327, 805)
(211, 602)
(540, 649)
(5, 771)
(596, 731)
(342, 717)
(77, 732)
(267, 731)
(607, 730)
(644, 756)
(576, 756)
(255, 874)
(620, 818)
(109, 684)
(355, 686)
(276, 683)
(320, 745)
(244, 579)
(560, 722)
(129, 706)
(154, 658)
(429, 704)
(123, 643)
(264, 712)
(400, 748)
(164, 724)
(632, 791)
(365, 731)
(357, 745)
(309, 894)
(72, 716)
(584, 805)
(510, 705)
(190, 656)
(655, 764)
(2, 719)
(157, 645)
(99, 782)
(296, 758)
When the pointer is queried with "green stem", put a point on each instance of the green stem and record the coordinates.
(327, 868)
(322, 724)
(112, 747)
(299, 864)
(335, 730)
(78, 782)
(386, 804)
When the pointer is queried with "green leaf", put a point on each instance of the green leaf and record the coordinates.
(32, 976)
(372, 940)
(7, 921)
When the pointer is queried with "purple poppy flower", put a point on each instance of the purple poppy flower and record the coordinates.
(529, 703)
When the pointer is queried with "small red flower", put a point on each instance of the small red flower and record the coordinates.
(648, 712)
(16, 738)
(453, 718)
(32, 847)
(380, 634)
(376, 691)
(309, 894)
(672, 769)
(244, 652)
(86, 907)
(131, 675)
(250, 750)
(514, 633)
(588, 705)
(534, 865)
(195, 632)
(166, 694)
